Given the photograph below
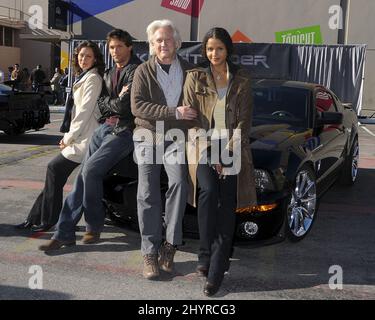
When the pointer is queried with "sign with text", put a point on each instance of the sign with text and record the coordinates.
(308, 35)
(189, 7)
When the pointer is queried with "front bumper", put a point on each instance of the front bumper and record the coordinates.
(259, 225)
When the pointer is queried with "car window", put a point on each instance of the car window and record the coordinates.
(281, 105)
(4, 89)
(324, 102)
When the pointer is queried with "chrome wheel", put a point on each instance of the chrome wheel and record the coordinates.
(355, 161)
(302, 206)
(350, 171)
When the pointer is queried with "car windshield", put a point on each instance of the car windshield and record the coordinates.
(4, 89)
(278, 104)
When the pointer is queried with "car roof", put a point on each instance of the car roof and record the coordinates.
(258, 83)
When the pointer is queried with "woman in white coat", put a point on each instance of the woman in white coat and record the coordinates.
(81, 123)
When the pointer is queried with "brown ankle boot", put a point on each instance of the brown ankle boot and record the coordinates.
(167, 252)
(91, 237)
(56, 245)
(150, 266)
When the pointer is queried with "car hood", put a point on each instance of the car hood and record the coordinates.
(277, 136)
(272, 142)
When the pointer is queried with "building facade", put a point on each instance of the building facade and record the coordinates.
(326, 22)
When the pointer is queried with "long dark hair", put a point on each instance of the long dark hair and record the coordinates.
(223, 36)
(99, 60)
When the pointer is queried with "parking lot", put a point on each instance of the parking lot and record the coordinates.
(340, 246)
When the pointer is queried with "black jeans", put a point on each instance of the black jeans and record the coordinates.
(216, 220)
(47, 207)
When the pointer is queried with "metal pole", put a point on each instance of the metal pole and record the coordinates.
(70, 31)
(344, 32)
(194, 22)
(22, 11)
(194, 29)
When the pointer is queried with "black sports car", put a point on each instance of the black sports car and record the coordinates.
(303, 139)
(21, 111)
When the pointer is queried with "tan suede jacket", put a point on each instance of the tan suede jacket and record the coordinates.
(200, 92)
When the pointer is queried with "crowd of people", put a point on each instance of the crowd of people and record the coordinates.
(115, 112)
(24, 80)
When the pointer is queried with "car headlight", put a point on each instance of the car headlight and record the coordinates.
(263, 180)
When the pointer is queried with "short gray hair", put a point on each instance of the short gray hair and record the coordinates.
(157, 24)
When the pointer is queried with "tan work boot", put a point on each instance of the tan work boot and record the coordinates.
(55, 245)
(91, 237)
(150, 266)
(167, 252)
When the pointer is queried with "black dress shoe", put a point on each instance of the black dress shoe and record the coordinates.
(41, 228)
(24, 225)
(211, 289)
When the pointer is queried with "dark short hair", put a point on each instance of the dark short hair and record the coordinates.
(120, 35)
(222, 35)
(99, 60)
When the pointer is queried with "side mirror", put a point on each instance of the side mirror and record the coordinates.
(326, 118)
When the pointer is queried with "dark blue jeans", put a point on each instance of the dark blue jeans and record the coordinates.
(105, 150)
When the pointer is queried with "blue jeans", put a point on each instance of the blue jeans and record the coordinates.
(105, 150)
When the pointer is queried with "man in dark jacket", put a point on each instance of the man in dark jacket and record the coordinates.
(111, 142)
(37, 77)
(157, 97)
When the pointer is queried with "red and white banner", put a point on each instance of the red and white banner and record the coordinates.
(190, 7)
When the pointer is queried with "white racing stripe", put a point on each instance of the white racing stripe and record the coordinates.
(368, 131)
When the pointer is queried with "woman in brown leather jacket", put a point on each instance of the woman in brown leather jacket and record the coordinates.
(221, 93)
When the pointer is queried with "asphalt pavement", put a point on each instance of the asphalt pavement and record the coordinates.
(335, 261)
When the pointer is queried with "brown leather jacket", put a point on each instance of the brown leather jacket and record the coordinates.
(200, 92)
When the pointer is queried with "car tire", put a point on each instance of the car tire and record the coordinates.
(349, 171)
(14, 131)
(111, 214)
(118, 219)
(20, 131)
(8, 132)
(301, 206)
